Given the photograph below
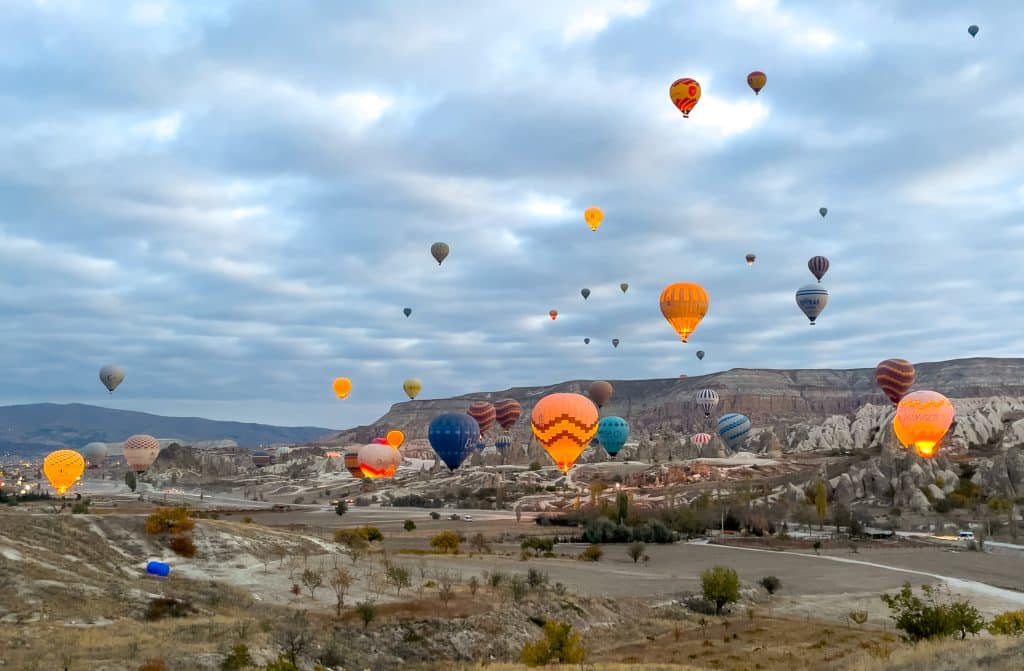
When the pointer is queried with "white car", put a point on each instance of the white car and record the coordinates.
(967, 535)
(467, 518)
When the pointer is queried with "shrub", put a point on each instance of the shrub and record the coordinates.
(434, 515)
(246, 520)
(517, 588)
(183, 546)
(593, 552)
(445, 542)
(721, 586)
(341, 508)
(162, 607)
(858, 616)
(560, 644)
(1010, 623)
(943, 506)
(237, 659)
(80, 507)
(282, 664)
(409, 525)
(171, 521)
(539, 544)
(474, 585)
(770, 583)
(479, 544)
(636, 550)
(535, 578)
(367, 612)
(534, 465)
(926, 619)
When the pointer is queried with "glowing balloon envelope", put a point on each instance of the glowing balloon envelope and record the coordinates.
(593, 216)
(684, 93)
(439, 251)
(707, 400)
(140, 451)
(553, 314)
(378, 461)
(684, 304)
(342, 386)
(395, 438)
(453, 435)
(484, 414)
(612, 432)
(734, 429)
(750, 259)
(63, 468)
(818, 265)
(600, 392)
(812, 299)
(507, 412)
(895, 377)
(972, 30)
(111, 376)
(925, 417)
(412, 387)
(586, 293)
(756, 81)
(564, 424)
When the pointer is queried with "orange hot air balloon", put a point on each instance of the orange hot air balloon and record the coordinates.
(593, 216)
(63, 468)
(395, 438)
(553, 314)
(684, 304)
(342, 386)
(756, 80)
(924, 418)
(352, 464)
(564, 425)
(684, 93)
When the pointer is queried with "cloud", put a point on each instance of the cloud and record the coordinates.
(237, 220)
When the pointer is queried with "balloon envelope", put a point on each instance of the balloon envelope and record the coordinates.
(756, 81)
(352, 464)
(564, 424)
(750, 259)
(707, 399)
(823, 211)
(586, 341)
(158, 568)
(585, 292)
(95, 453)
(140, 451)
(734, 429)
(624, 286)
(439, 250)
(507, 412)
(973, 30)
(700, 354)
(63, 468)
(593, 216)
(407, 311)
(503, 442)
(378, 461)
(684, 304)
(395, 438)
(615, 342)
(600, 392)
(701, 438)
(895, 377)
(924, 417)
(684, 93)
(111, 376)
(342, 386)
(453, 435)
(812, 299)
(818, 265)
(412, 387)
(484, 414)
(612, 432)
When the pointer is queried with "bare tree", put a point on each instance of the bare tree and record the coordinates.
(446, 582)
(341, 581)
(312, 579)
(294, 636)
(377, 581)
(281, 552)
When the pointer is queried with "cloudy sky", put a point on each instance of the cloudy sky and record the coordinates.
(235, 200)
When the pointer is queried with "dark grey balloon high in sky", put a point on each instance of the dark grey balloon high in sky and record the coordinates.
(234, 201)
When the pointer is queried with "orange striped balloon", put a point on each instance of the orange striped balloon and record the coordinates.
(564, 424)
(507, 411)
(895, 377)
(484, 414)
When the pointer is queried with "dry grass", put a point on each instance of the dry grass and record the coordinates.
(991, 654)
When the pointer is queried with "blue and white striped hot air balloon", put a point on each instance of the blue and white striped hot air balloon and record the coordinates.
(812, 299)
(734, 429)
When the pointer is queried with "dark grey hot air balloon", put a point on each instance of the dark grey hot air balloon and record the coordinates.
(585, 292)
(111, 376)
(407, 311)
(822, 211)
(439, 250)
(94, 453)
(700, 354)
(615, 342)
(624, 286)
(973, 30)
(586, 341)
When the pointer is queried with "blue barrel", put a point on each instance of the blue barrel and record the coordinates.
(158, 568)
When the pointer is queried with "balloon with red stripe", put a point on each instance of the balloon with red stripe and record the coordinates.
(895, 377)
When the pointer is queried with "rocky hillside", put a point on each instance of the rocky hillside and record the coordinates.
(782, 398)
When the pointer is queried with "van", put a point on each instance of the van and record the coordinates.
(967, 535)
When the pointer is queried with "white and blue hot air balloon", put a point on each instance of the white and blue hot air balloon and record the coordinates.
(734, 429)
(707, 399)
(812, 299)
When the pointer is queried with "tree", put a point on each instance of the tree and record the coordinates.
(367, 612)
(621, 506)
(721, 586)
(770, 583)
(821, 502)
(1010, 623)
(474, 585)
(399, 577)
(477, 543)
(858, 616)
(921, 619)
(966, 618)
(340, 581)
(173, 521)
(446, 581)
(341, 508)
(409, 525)
(560, 644)
(445, 542)
(636, 550)
(1000, 505)
(312, 580)
(294, 636)
(130, 480)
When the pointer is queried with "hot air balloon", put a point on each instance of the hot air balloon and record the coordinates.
(684, 93)
(395, 438)
(750, 259)
(507, 412)
(600, 392)
(503, 442)
(439, 251)
(412, 387)
(407, 311)
(140, 451)
(378, 461)
(684, 304)
(484, 414)
(701, 438)
(63, 468)
(895, 377)
(615, 342)
(818, 265)
(453, 435)
(564, 424)
(700, 354)
(586, 341)
(612, 432)
(352, 464)
(756, 80)
(111, 376)
(924, 418)
(593, 216)
(734, 429)
(624, 286)
(707, 400)
(95, 454)
(972, 30)
(553, 314)
(822, 211)
(585, 292)
(812, 299)
(342, 386)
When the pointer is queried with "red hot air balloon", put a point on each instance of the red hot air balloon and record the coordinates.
(818, 265)
(553, 314)
(701, 438)
(895, 377)
(756, 81)
(484, 413)
(507, 412)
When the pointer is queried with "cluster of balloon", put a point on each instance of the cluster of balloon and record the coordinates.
(972, 30)
(895, 377)
(612, 433)
(412, 387)
(564, 424)
(63, 468)
(342, 387)
(812, 299)
(452, 436)
(922, 420)
(484, 414)
(600, 392)
(700, 354)
(615, 342)
(407, 311)
(379, 459)
(751, 258)
(352, 464)
(95, 454)
(593, 216)
(439, 250)
(734, 429)
(707, 400)
(701, 438)
(818, 265)
(111, 376)
(553, 314)
(684, 304)
(140, 451)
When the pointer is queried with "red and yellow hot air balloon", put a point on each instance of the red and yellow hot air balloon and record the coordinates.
(553, 314)
(684, 93)
(342, 386)
(756, 80)
(378, 461)
(140, 451)
(684, 304)
(564, 424)
(593, 216)
(63, 468)
(922, 419)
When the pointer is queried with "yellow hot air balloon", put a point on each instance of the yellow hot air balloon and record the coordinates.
(63, 468)
(593, 216)
(342, 386)
(922, 419)
(412, 387)
(395, 438)
(564, 424)
(684, 304)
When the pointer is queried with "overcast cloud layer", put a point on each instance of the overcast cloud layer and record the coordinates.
(235, 200)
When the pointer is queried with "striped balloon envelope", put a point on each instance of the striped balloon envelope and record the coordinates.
(701, 438)
(352, 464)
(895, 377)
(564, 424)
(818, 265)
(707, 399)
(734, 429)
(507, 412)
(484, 413)
(503, 442)
(812, 299)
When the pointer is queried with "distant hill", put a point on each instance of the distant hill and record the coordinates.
(38, 427)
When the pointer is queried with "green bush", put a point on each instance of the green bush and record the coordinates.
(539, 544)
(721, 586)
(341, 508)
(770, 583)
(921, 619)
(445, 542)
(409, 525)
(592, 553)
(560, 644)
(238, 658)
(1010, 623)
